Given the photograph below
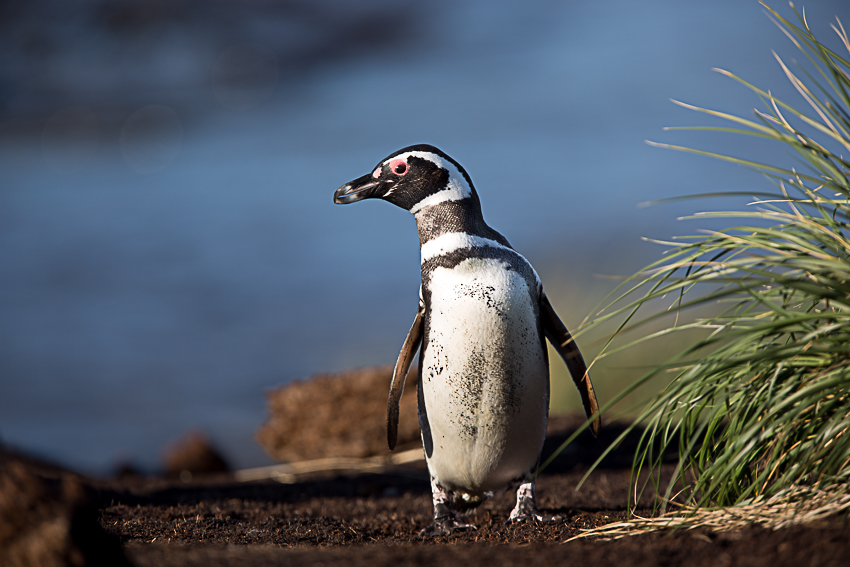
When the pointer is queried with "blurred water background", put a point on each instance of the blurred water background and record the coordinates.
(169, 249)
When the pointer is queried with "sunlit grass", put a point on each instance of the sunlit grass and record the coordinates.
(758, 407)
(613, 374)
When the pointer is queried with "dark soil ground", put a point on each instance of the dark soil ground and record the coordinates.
(374, 519)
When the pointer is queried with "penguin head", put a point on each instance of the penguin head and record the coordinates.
(412, 178)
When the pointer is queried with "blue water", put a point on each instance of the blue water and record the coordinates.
(147, 289)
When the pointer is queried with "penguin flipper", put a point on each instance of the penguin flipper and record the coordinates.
(563, 342)
(402, 365)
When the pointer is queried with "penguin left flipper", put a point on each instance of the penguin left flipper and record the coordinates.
(405, 357)
(563, 342)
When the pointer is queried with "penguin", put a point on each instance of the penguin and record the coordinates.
(480, 329)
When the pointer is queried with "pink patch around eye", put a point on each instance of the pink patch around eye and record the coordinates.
(377, 173)
(398, 166)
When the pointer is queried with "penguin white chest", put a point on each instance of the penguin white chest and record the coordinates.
(485, 376)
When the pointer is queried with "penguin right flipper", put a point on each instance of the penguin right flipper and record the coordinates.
(405, 357)
(563, 342)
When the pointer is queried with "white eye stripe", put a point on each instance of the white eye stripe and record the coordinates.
(454, 191)
(433, 158)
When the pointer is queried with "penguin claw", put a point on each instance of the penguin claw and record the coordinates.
(445, 526)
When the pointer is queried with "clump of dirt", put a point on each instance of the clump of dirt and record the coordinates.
(337, 415)
(193, 455)
(49, 522)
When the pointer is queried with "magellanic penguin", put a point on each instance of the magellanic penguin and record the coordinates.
(482, 323)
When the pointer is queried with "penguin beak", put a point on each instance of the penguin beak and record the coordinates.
(357, 190)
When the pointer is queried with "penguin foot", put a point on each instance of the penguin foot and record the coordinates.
(526, 507)
(518, 516)
(444, 526)
(446, 519)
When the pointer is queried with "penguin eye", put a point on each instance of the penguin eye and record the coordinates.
(399, 167)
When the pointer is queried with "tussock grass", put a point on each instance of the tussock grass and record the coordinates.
(758, 410)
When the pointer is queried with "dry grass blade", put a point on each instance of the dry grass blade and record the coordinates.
(293, 472)
(796, 506)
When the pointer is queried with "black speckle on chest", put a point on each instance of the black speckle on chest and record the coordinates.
(479, 384)
(483, 293)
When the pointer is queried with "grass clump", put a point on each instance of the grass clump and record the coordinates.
(759, 410)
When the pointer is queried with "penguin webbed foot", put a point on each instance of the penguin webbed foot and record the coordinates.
(526, 507)
(531, 516)
(445, 522)
(445, 526)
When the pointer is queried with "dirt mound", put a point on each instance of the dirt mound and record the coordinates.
(49, 523)
(193, 455)
(337, 415)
